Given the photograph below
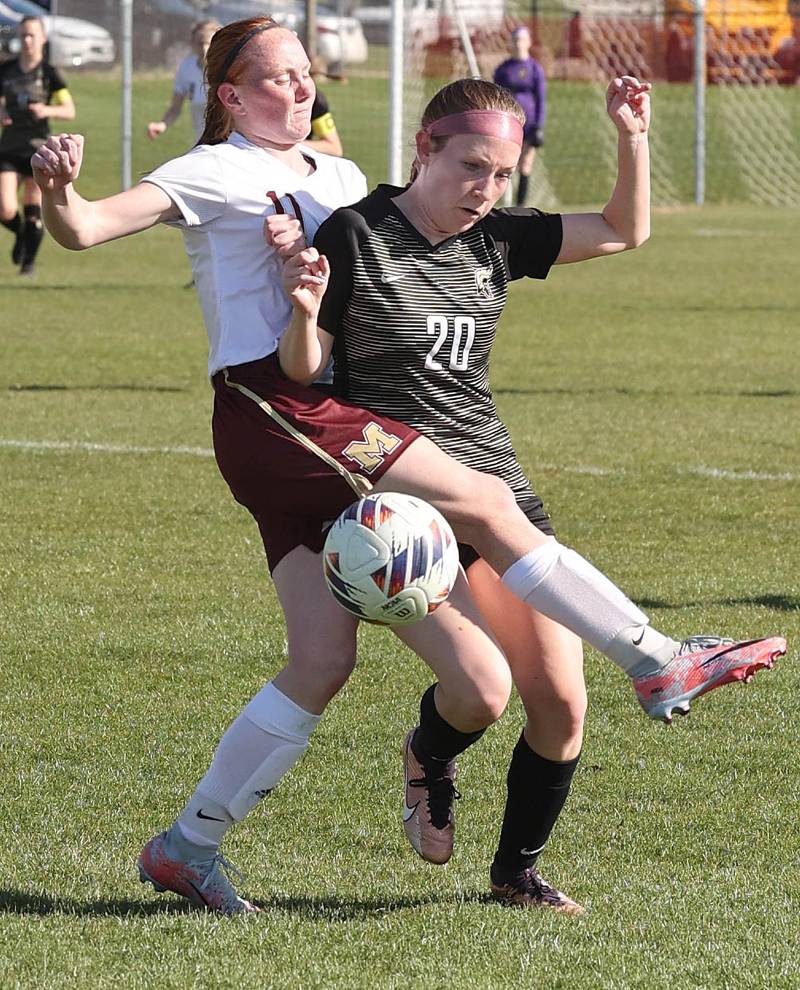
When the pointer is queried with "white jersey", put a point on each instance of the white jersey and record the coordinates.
(191, 85)
(222, 192)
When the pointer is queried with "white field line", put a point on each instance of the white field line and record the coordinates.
(103, 448)
(703, 471)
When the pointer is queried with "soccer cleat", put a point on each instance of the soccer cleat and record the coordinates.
(428, 818)
(701, 664)
(204, 884)
(27, 268)
(528, 889)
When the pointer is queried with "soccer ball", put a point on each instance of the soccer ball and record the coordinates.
(390, 559)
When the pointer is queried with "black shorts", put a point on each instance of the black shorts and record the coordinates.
(533, 507)
(16, 162)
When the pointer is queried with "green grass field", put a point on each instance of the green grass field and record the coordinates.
(653, 398)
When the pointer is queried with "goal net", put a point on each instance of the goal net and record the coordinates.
(752, 119)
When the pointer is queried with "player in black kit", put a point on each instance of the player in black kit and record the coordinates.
(417, 278)
(32, 92)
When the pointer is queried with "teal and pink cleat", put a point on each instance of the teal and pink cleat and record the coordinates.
(701, 664)
(204, 884)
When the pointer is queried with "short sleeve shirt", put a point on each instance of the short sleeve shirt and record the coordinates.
(191, 85)
(19, 89)
(222, 192)
(414, 323)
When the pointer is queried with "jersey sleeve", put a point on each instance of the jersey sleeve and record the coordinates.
(320, 107)
(339, 239)
(196, 185)
(55, 82)
(528, 240)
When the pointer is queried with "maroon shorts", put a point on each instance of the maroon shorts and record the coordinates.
(295, 456)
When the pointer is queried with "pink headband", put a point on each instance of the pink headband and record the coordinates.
(492, 123)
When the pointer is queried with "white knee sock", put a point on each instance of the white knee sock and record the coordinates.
(264, 741)
(562, 585)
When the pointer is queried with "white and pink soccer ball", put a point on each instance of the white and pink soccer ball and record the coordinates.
(390, 559)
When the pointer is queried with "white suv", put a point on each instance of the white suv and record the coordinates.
(73, 42)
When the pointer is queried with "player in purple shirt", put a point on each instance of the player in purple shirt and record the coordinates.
(524, 76)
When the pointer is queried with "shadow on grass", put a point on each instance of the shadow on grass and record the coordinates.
(351, 909)
(780, 603)
(780, 393)
(335, 909)
(94, 388)
(28, 286)
(27, 902)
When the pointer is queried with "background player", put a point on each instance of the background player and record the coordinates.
(324, 133)
(524, 76)
(190, 83)
(32, 92)
(418, 280)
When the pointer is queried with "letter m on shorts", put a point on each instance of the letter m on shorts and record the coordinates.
(369, 452)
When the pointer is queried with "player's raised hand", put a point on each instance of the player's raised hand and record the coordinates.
(628, 104)
(305, 278)
(57, 163)
(285, 233)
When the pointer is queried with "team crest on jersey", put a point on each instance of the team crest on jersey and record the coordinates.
(483, 283)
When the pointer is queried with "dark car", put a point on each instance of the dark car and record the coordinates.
(9, 43)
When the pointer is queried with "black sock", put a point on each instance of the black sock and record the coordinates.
(522, 190)
(436, 742)
(13, 224)
(537, 790)
(32, 234)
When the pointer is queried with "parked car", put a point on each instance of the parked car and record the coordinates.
(73, 42)
(426, 22)
(340, 39)
(9, 42)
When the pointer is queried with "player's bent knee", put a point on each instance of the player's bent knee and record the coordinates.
(563, 712)
(483, 704)
(329, 670)
(491, 499)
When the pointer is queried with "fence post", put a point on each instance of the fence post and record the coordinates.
(396, 71)
(126, 117)
(699, 102)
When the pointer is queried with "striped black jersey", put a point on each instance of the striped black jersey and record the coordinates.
(414, 323)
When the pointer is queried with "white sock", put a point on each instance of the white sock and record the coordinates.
(564, 586)
(262, 743)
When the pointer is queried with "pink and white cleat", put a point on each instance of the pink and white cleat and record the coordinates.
(701, 664)
(204, 884)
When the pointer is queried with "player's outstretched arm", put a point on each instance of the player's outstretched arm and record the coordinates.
(77, 223)
(624, 222)
(157, 127)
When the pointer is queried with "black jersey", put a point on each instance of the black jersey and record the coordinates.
(19, 89)
(414, 323)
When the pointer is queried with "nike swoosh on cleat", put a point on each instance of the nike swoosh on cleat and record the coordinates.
(408, 812)
(638, 642)
(208, 818)
(721, 653)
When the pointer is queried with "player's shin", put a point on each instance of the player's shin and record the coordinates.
(562, 585)
(265, 740)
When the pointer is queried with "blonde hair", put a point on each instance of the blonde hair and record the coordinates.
(199, 26)
(461, 95)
